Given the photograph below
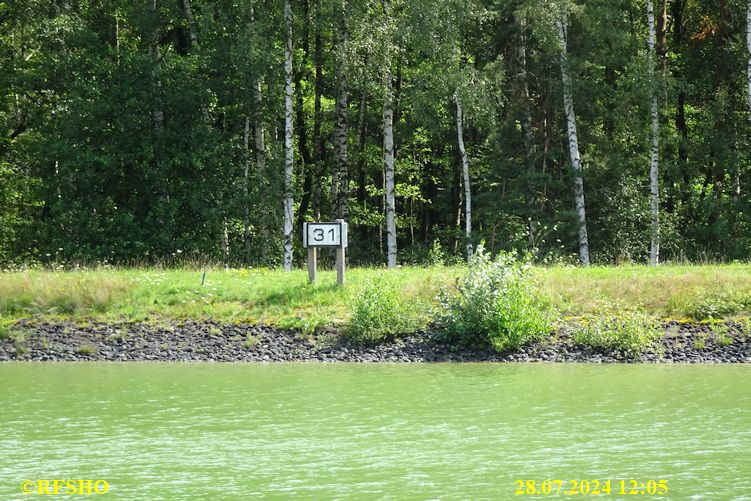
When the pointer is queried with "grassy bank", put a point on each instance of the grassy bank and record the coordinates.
(499, 304)
(287, 300)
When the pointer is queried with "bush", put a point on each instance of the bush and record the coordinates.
(631, 333)
(495, 304)
(708, 305)
(380, 313)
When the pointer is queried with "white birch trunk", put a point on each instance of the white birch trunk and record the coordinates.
(388, 150)
(465, 171)
(654, 179)
(259, 147)
(225, 243)
(191, 23)
(289, 155)
(388, 168)
(573, 143)
(246, 172)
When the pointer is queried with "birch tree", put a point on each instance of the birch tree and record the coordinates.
(561, 23)
(246, 175)
(289, 158)
(465, 172)
(388, 141)
(654, 183)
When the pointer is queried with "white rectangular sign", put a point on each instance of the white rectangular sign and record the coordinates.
(324, 234)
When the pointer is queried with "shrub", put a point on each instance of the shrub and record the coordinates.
(380, 313)
(495, 304)
(631, 333)
(708, 305)
(4, 330)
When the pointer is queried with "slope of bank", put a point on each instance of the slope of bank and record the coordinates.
(285, 299)
(216, 342)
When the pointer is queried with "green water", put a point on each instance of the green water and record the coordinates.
(451, 431)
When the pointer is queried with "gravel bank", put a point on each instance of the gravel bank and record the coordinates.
(213, 342)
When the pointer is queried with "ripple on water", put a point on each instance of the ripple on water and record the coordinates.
(445, 430)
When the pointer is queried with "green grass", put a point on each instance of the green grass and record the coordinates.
(287, 300)
(690, 292)
(263, 296)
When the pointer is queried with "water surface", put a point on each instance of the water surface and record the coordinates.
(450, 431)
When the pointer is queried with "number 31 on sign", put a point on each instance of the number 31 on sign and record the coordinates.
(325, 234)
(315, 235)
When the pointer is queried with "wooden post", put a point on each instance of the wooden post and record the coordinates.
(340, 258)
(312, 264)
(340, 266)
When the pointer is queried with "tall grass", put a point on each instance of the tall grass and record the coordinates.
(694, 292)
(59, 293)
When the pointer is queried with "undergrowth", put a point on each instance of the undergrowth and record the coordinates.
(381, 313)
(496, 304)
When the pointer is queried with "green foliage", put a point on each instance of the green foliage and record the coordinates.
(381, 313)
(5, 331)
(495, 304)
(86, 350)
(721, 333)
(709, 305)
(436, 256)
(250, 340)
(629, 332)
(85, 176)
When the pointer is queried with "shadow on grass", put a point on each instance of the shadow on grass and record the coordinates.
(296, 295)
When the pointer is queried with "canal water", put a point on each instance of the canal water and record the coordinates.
(341, 431)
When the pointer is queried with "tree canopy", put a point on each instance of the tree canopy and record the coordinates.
(129, 132)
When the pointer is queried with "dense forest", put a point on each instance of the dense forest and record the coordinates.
(598, 131)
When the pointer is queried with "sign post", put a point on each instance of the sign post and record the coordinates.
(312, 264)
(322, 235)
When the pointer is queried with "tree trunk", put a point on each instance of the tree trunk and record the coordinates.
(341, 129)
(259, 147)
(361, 174)
(225, 244)
(246, 172)
(654, 180)
(573, 143)
(318, 149)
(388, 165)
(191, 23)
(306, 161)
(388, 152)
(465, 171)
(157, 115)
(289, 153)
